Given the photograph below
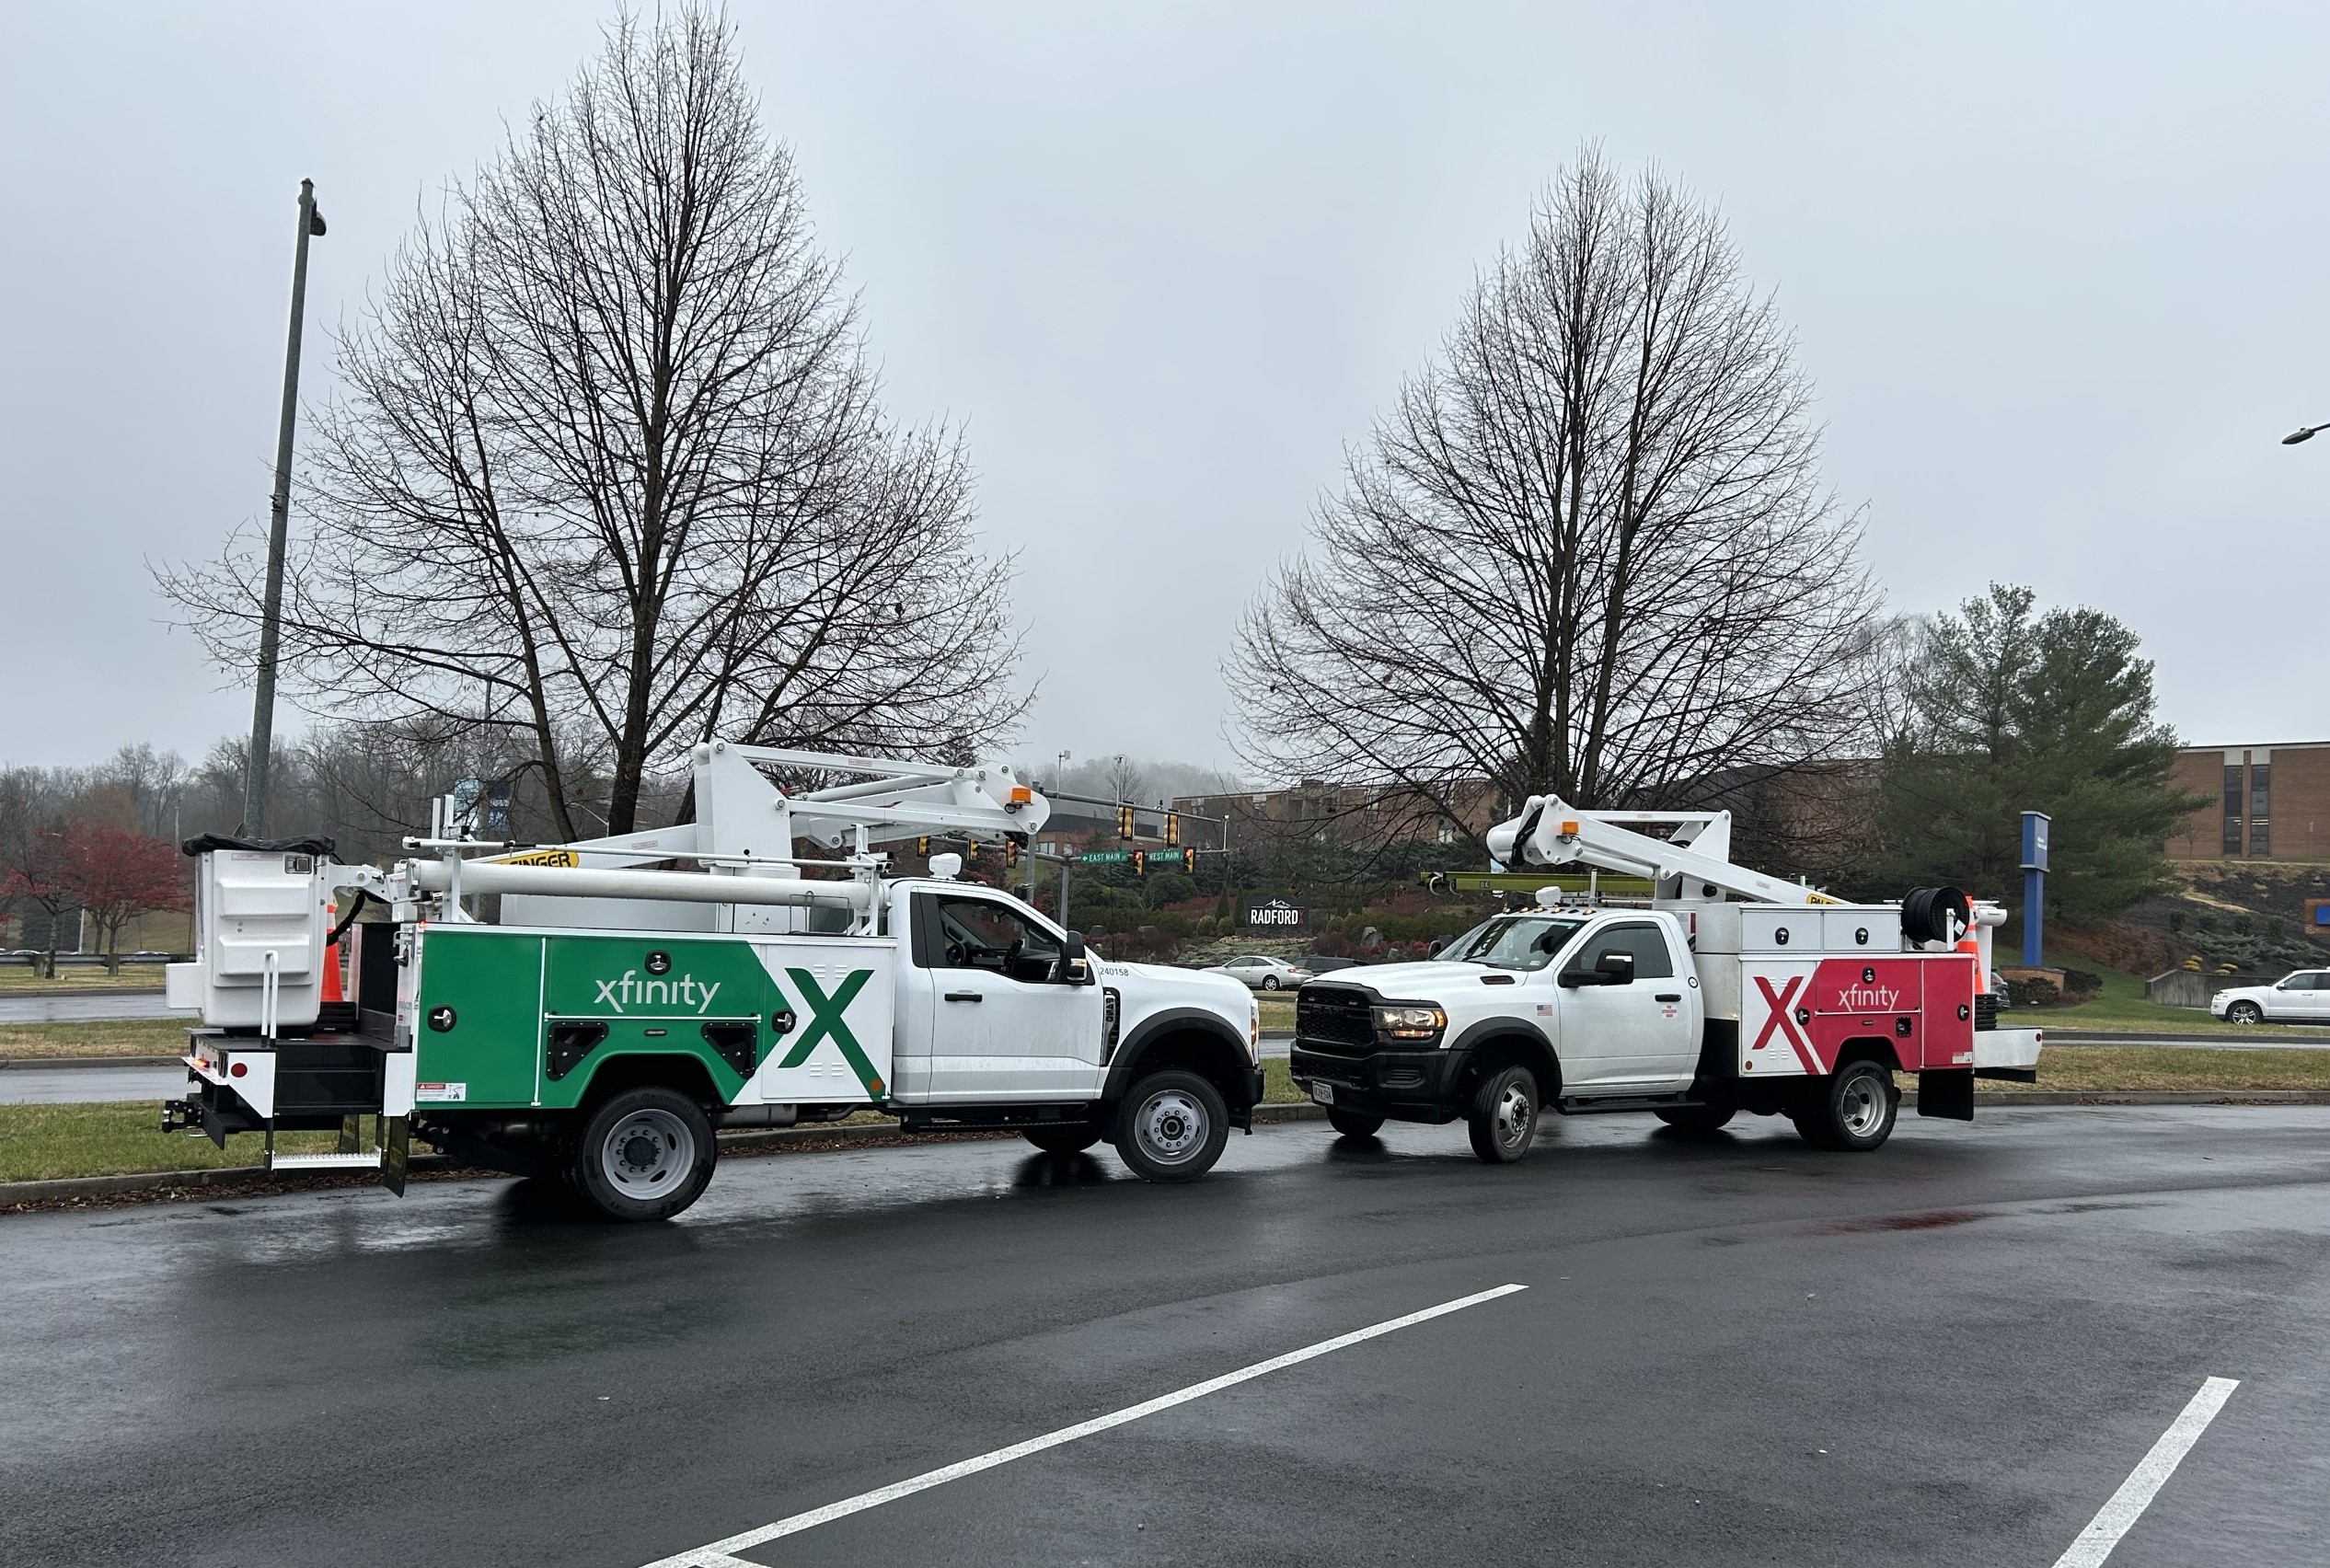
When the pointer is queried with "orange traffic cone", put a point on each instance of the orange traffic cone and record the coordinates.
(331, 964)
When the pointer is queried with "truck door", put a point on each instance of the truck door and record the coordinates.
(1006, 1025)
(1631, 1039)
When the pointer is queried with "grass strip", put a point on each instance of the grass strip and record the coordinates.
(2082, 1070)
(20, 979)
(122, 1037)
(44, 1143)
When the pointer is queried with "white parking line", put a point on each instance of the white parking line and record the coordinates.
(2135, 1494)
(718, 1554)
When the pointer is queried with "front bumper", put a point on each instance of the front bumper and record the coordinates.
(1404, 1085)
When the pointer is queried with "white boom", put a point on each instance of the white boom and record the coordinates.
(1550, 832)
(742, 835)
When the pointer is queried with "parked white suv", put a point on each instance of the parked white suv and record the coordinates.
(2302, 997)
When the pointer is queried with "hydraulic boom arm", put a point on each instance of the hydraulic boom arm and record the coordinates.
(1549, 832)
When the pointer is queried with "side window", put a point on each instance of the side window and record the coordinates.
(976, 933)
(1646, 942)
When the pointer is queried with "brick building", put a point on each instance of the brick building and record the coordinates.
(2265, 803)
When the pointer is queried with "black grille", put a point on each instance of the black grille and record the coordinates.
(1986, 1010)
(1333, 1016)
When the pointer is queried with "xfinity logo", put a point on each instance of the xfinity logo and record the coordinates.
(630, 989)
(1867, 998)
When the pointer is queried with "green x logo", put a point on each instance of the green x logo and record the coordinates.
(829, 1021)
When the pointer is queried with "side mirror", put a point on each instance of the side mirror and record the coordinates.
(1616, 968)
(1074, 969)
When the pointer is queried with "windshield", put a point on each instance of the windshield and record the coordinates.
(1514, 942)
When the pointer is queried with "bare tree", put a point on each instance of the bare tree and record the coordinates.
(610, 473)
(1126, 778)
(1588, 552)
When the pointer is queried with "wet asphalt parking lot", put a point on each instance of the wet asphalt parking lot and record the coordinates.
(1728, 1350)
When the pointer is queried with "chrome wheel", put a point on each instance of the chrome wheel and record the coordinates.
(2245, 1012)
(1514, 1117)
(1861, 1104)
(647, 1154)
(1170, 1126)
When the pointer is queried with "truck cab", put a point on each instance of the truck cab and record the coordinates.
(1575, 1009)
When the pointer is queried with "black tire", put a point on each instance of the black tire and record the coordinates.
(2245, 1012)
(1067, 1137)
(1503, 1116)
(1855, 1110)
(1172, 1127)
(645, 1154)
(1270, 982)
(1352, 1125)
(1699, 1118)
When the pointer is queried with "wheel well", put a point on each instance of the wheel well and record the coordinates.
(1512, 1049)
(1195, 1051)
(1868, 1049)
(662, 1070)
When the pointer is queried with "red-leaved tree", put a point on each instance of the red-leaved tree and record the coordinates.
(116, 875)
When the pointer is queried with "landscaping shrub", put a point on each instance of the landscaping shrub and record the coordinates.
(2034, 992)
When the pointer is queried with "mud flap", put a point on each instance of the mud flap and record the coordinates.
(396, 1152)
(1947, 1092)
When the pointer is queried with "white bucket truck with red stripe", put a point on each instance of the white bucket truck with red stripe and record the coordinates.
(1726, 991)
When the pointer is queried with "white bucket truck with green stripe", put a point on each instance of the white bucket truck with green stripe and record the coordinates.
(630, 995)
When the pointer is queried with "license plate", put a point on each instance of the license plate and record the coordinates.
(1324, 1093)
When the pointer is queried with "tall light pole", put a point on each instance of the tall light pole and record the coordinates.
(311, 222)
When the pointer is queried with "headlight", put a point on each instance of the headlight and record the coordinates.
(1409, 1023)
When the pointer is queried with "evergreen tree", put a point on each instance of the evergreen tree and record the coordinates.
(2011, 710)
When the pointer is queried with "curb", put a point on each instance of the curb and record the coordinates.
(33, 994)
(893, 1133)
(2284, 1039)
(2148, 1097)
(76, 1063)
(71, 1187)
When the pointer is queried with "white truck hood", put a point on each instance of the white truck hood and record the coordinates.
(1425, 982)
(1151, 988)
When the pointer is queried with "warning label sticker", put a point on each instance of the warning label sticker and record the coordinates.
(440, 1093)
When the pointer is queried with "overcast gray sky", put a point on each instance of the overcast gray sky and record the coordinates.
(2056, 272)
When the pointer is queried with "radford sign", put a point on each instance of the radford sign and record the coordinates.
(1277, 915)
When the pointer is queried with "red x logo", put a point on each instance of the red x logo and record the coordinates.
(1782, 1019)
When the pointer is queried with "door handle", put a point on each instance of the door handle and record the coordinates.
(967, 996)
(1670, 997)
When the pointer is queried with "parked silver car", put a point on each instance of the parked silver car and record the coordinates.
(1261, 973)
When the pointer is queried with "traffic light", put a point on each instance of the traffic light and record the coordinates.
(1123, 822)
(922, 846)
(1172, 828)
(1140, 863)
(1010, 853)
(974, 856)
